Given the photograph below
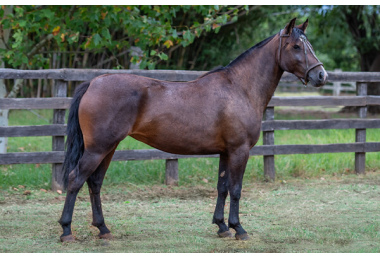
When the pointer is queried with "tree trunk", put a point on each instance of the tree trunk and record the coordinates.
(3, 90)
(369, 53)
(3, 117)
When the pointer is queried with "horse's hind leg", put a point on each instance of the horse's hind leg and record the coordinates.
(237, 162)
(85, 167)
(94, 183)
(222, 195)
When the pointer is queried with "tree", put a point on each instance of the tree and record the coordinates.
(104, 36)
(210, 50)
(4, 36)
(359, 27)
(364, 25)
(106, 31)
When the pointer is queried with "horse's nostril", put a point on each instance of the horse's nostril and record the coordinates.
(321, 75)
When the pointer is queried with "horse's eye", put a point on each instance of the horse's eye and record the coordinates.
(296, 47)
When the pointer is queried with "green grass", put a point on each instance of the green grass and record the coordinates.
(197, 171)
(336, 214)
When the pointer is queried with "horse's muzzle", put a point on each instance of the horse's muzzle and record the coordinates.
(317, 76)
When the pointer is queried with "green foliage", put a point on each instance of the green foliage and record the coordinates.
(155, 29)
(180, 37)
(346, 34)
(241, 33)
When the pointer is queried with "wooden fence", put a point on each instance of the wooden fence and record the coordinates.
(60, 102)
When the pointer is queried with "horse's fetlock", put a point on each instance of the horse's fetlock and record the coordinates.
(217, 220)
(234, 224)
(102, 227)
(98, 224)
(98, 221)
(64, 222)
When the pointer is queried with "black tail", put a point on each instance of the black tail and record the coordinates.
(74, 141)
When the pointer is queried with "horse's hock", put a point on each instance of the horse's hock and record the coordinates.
(60, 103)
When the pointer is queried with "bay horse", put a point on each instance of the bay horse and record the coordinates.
(218, 113)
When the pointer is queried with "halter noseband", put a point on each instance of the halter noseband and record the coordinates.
(305, 44)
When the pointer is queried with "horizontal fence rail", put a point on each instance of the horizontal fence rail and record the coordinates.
(154, 154)
(60, 102)
(60, 130)
(170, 75)
(64, 103)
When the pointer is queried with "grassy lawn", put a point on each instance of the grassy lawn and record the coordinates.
(336, 214)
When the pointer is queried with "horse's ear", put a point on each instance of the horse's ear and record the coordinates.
(303, 26)
(289, 27)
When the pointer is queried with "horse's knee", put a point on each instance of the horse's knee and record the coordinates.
(223, 192)
(222, 188)
(235, 193)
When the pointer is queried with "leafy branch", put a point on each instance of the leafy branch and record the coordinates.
(156, 30)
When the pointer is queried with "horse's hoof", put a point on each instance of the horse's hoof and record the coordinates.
(225, 234)
(243, 236)
(106, 236)
(68, 238)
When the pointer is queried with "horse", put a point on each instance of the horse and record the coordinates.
(218, 113)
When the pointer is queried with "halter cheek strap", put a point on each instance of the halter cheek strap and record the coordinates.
(306, 46)
(279, 47)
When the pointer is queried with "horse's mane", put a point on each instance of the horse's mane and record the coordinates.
(240, 57)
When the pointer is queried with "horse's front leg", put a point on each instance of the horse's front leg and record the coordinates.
(237, 162)
(221, 200)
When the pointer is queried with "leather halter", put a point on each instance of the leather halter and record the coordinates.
(306, 45)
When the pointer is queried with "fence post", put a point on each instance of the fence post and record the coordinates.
(171, 172)
(361, 90)
(337, 85)
(59, 90)
(268, 139)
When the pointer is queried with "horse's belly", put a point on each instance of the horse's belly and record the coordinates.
(181, 143)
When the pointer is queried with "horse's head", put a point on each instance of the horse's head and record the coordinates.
(296, 55)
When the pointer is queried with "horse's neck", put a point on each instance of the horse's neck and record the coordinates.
(258, 73)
